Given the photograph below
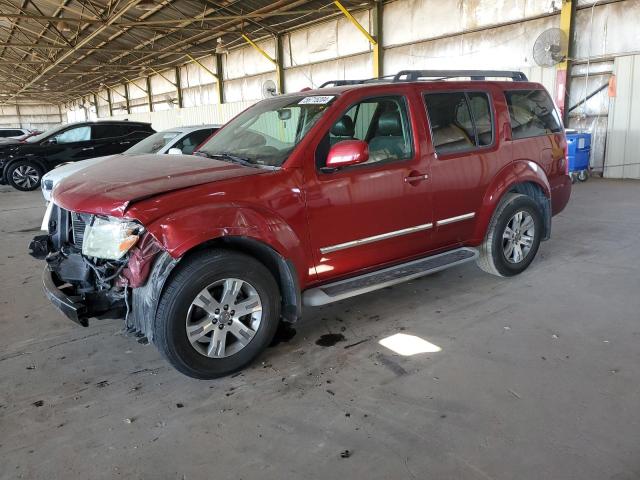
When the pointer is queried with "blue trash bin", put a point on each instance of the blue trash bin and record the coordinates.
(579, 154)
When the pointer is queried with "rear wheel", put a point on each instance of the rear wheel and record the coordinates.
(24, 175)
(217, 313)
(513, 236)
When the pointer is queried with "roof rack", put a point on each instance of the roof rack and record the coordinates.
(433, 75)
(415, 75)
(341, 83)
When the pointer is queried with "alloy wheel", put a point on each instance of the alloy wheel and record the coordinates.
(25, 176)
(224, 317)
(518, 237)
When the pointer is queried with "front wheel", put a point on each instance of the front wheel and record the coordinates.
(513, 236)
(217, 313)
(24, 176)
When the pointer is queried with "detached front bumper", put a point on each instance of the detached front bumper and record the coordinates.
(70, 307)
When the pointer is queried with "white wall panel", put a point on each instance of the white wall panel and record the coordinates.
(206, 114)
(161, 85)
(506, 47)
(623, 135)
(414, 20)
(192, 74)
(200, 95)
(312, 76)
(248, 61)
(325, 41)
(614, 30)
(138, 89)
(248, 88)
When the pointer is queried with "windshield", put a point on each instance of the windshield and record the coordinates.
(267, 133)
(42, 136)
(152, 144)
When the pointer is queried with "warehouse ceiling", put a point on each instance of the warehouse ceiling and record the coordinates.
(57, 50)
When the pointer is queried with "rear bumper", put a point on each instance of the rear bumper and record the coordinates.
(73, 310)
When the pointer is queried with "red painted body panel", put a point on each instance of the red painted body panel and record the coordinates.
(108, 188)
(299, 210)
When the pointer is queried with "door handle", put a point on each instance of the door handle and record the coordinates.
(87, 148)
(416, 178)
(125, 143)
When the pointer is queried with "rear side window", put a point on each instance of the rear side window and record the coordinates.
(532, 113)
(108, 130)
(460, 121)
(136, 129)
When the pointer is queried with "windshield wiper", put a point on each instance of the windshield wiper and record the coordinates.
(229, 157)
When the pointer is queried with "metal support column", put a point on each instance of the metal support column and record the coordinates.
(220, 78)
(376, 26)
(563, 69)
(279, 65)
(95, 102)
(179, 88)
(109, 102)
(126, 98)
(149, 94)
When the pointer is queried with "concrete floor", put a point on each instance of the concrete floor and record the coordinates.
(538, 377)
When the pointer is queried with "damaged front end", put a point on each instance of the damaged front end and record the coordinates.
(92, 263)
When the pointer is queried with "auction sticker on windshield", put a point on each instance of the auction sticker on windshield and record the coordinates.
(316, 100)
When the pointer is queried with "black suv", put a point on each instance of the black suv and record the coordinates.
(22, 165)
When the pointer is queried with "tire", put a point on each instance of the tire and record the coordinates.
(494, 252)
(24, 175)
(184, 305)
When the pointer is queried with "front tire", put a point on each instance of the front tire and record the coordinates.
(24, 175)
(513, 236)
(218, 312)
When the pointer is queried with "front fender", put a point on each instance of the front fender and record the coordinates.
(188, 228)
(517, 172)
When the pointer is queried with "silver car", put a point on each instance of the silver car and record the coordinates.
(179, 140)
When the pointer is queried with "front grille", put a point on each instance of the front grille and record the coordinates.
(78, 224)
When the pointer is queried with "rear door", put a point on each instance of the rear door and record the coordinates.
(465, 157)
(377, 212)
(109, 139)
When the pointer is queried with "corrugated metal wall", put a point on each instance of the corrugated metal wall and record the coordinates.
(416, 34)
(623, 138)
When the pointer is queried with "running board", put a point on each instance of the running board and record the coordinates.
(332, 292)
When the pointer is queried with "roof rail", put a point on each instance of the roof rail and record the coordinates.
(415, 75)
(340, 83)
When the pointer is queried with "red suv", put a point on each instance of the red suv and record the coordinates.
(305, 199)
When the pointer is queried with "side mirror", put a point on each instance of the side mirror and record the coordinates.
(346, 153)
(174, 151)
(52, 141)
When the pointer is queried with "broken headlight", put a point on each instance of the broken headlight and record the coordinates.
(110, 238)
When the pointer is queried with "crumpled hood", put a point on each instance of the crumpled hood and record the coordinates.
(108, 188)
